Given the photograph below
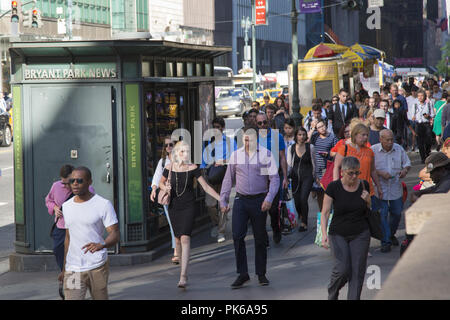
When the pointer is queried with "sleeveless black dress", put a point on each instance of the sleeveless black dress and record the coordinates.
(182, 206)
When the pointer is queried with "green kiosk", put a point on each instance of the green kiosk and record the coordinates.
(106, 105)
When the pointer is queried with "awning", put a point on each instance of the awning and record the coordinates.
(324, 50)
(371, 51)
(358, 59)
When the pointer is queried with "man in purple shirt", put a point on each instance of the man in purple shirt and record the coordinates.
(250, 169)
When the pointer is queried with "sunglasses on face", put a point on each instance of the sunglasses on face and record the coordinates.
(353, 173)
(79, 181)
(260, 123)
(65, 183)
(168, 145)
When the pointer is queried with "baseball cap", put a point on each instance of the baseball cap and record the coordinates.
(436, 160)
(379, 113)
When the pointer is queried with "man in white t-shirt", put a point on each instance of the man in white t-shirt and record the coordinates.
(412, 101)
(86, 216)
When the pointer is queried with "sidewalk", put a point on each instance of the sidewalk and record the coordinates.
(297, 269)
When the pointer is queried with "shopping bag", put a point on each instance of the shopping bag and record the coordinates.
(318, 239)
(328, 175)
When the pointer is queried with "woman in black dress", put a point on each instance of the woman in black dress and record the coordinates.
(182, 200)
(301, 167)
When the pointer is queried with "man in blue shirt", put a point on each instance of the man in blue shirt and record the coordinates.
(268, 139)
(216, 155)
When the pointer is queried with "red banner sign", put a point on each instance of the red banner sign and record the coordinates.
(261, 12)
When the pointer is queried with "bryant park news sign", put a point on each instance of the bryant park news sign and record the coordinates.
(67, 72)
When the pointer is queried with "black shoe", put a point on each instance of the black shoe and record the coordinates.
(386, 248)
(240, 281)
(394, 241)
(263, 281)
(276, 237)
(302, 229)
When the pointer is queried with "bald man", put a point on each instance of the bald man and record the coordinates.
(392, 164)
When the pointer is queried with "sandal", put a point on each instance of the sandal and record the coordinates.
(176, 260)
(183, 284)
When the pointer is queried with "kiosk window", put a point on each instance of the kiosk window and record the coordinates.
(346, 80)
(305, 92)
(324, 89)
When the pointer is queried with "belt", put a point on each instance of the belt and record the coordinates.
(250, 196)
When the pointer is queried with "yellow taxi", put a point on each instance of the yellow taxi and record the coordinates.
(259, 96)
(273, 94)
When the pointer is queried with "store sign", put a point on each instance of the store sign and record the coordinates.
(376, 3)
(134, 165)
(261, 12)
(65, 72)
(408, 61)
(310, 6)
(19, 201)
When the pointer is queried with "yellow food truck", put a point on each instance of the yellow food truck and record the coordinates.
(321, 78)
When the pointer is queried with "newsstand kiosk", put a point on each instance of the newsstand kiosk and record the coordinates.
(106, 105)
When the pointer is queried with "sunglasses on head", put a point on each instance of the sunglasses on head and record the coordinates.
(262, 122)
(168, 145)
(79, 181)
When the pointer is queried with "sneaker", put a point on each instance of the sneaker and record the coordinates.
(386, 248)
(214, 232)
(276, 237)
(221, 238)
(263, 281)
(394, 241)
(240, 281)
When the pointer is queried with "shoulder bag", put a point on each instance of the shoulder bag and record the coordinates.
(374, 219)
(164, 195)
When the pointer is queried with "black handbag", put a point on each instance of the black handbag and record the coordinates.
(216, 174)
(374, 219)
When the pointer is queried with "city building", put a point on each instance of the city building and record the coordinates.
(273, 42)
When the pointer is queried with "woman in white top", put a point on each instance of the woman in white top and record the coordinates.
(289, 131)
(165, 159)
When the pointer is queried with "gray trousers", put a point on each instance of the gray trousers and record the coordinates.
(350, 261)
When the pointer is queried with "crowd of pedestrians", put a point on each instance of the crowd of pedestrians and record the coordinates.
(350, 154)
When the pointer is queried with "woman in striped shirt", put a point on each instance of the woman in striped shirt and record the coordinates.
(323, 141)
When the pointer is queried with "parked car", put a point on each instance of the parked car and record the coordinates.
(5, 129)
(233, 102)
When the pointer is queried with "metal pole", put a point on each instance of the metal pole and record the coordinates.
(69, 19)
(254, 48)
(322, 33)
(295, 98)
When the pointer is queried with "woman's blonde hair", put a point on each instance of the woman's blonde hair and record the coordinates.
(177, 148)
(358, 128)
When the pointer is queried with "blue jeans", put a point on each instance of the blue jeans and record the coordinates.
(59, 235)
(389, 223)
(170, 225)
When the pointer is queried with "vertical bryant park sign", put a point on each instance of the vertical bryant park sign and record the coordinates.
(67, 72)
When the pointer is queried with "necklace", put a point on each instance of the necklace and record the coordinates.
(176, 184)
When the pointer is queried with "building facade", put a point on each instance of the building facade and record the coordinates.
(273, 42)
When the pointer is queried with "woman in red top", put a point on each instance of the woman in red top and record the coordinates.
(357, 148)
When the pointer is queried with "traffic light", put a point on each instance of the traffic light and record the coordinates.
(14, 15)
(34, 18)
(351, 5)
